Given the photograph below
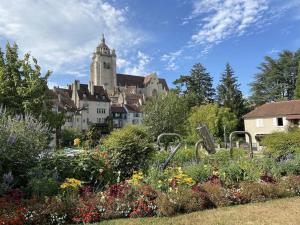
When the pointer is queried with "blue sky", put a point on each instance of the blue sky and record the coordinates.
(166, 37)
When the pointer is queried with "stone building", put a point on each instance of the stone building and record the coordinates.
(107, 93)
(122, 88)
(271, 117)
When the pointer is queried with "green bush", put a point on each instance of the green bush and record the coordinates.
(281, 144)
(89, 167)
(68, 135)
(241, 170)
(23, 140)
(181, 158)
(129, 149)
(199, 173)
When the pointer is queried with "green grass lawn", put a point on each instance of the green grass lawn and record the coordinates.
(276, 212)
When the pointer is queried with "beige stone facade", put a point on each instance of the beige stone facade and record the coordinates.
(107, 94)
(272, 117)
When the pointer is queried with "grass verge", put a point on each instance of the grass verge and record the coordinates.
(276, 212)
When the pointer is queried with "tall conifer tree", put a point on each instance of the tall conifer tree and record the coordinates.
(229, 95)
(197, 86)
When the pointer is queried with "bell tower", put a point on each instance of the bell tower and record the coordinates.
(103, 67)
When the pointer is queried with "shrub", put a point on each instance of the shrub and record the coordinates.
(256, 192)
(199, 173)
(90, 167)
(216, 193)
(214, 117)
(68, 135)
(292, 183)
(43, 186)
(22, 142)
(129, 149)
(165, 206)
(279, 145)
(241, 170)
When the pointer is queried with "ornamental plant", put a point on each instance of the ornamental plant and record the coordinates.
(137, 178)
(77, 142)
(129, 150)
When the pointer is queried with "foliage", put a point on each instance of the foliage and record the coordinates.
(68, 135)
(280, 145)
(199, 173)
(165, 114)
(90, 167)
(215, 119)
(230, 96)
(96, 131)
(42, 186)
(182, 157)
(256, 192)
(276, 79)
(197, 86)
(128, 150)
(297, 89)
(22, 142)
(23, 90)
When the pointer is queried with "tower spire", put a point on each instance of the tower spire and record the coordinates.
(103, 39)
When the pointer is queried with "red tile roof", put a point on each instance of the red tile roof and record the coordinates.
(283, 108)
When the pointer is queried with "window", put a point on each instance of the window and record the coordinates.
(84, 95)
(106, 65)
(259, 123)
(99, 110)
(280, 122)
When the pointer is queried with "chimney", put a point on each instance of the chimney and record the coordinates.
(59, 97)
(91, 88)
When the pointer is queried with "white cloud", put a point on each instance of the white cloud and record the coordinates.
(171, 59)
(62, 34)
(221, 19)
(138, 67)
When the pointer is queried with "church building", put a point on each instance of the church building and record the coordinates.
(107, 93)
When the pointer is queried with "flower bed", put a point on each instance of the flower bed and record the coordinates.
(136, 198)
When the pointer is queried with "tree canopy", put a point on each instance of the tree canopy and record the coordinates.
(23, 89)
(276, 79)
(297, 90)
(165, 113)
(229, 95)
(197, 87)
(214, 117)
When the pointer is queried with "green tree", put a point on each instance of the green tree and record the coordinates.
(197, 86)
(165, 113)
(23, 89)
(214, 117)
(276, 79)
(230, 96)
(297, 90)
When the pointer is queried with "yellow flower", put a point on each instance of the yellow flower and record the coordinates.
(136, 178)
(77, 141)
(70, 183)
